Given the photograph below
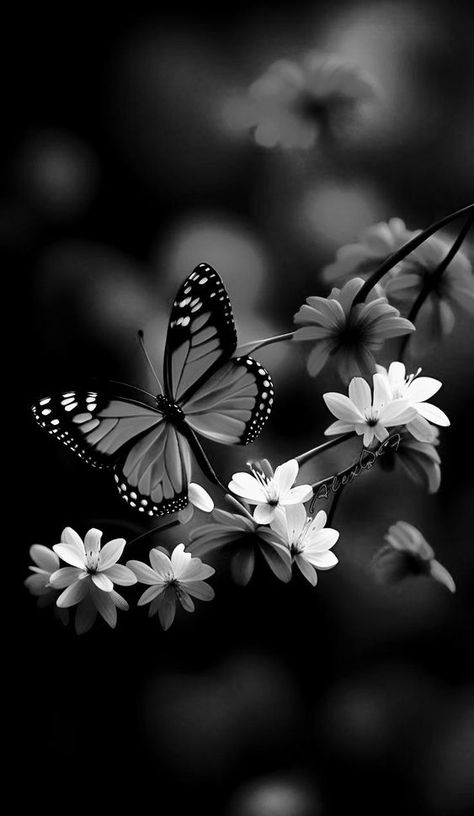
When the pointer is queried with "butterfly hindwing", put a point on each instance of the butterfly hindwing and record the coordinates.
(154, 475)
(201, 333)
(95, 427)
(233, 405)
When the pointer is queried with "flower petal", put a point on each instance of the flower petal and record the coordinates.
(71, 555)
(66, 576)
(342, 407)
(105, 606)
(92, 541)
(441, 574)
(360, 394)
(160, 562)
(102, 582)
(74, 593)
(285, 475)
(200, 498)
(323, 560)
(86, 615)
(45, 558)
(249, 488)
(306, 569)
(150, 594)
(200, 590)
(242, 565)
(110, 553)
(264, 513)
(167, 608)
(433, 414)
(72, 539)
(144, 573)
(119, 574)
(422, 388)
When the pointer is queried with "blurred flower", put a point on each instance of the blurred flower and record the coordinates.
(407, 553)
(365, 414)
(240, 533)
(455, 288)
(269, 490)
(308, 540)
(90, 579)
(420, 460)
(46, 563)
(173, 579)
(349, 334)
(374, 246)
(416, 390)
(291, 101)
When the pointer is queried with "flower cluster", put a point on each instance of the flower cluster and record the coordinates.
(345, 332)
(279, 529)
(395, 400)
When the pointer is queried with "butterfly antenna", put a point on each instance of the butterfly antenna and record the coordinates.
(141, 339)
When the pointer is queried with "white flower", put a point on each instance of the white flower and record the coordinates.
(270, 490)
(408, 553)
(178, 577)
(46, 562)
(90, 578)
(367, 415)
(308, 540)
(416, 390)
(375, 244)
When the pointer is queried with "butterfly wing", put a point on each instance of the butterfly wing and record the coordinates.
(94, 426)
(201, 333)
(154, 475)
(233, 404)
(150, 458)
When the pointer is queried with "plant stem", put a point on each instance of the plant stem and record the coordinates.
(405, 250)
(248, 348)
(305, 457)
(154, 530)
(432, 279)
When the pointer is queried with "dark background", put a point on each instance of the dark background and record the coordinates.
(119, 175)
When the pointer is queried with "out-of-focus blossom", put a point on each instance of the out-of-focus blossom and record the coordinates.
(366, 414)
(308, 540)
(420, 460)
(172, 579)
(90, 578)
(290, 103)
(46, 563)
(240, 534)
(454, 289)
(348, 334)
(408, 553)
(374, 246)
(269, 490)
(416, 390)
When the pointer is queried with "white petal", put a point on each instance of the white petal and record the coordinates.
(150, 594)
(264, 513)
(296, 517)
(105, 606)
(144, 573)
(180, 560)
(360, 394)
(298, 494)
(421, 429)
(339, 427)
(307, 570)
(248, 488)
(433, 414)
(441, 574)
(45, 558)
(110, 553)
(160, 562)
(200, 498)
(72, 539)
(65, 577)
(342, 407)
(102, 582)
(92, 540)
(396, 374)
(322, 561)
(70, 555)
(200, 590)
(285, 475)
(422, 388)
(167, 608)
(382, 392)
(73, 594)
(119, 574)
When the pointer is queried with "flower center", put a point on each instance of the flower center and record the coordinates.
(92, 562)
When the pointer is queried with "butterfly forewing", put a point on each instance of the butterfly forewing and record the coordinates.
(201, 333)
(233, 405)
(93, 426)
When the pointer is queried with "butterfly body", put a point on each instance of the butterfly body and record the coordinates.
(148, 439)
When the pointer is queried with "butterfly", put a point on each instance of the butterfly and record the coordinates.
(147, 440)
